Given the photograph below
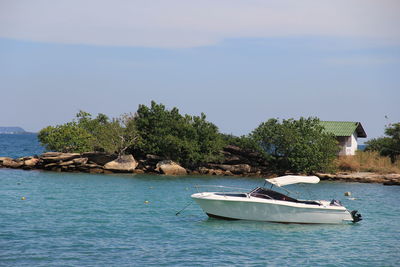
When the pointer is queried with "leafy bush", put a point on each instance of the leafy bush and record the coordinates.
(245, 142)
(68, 137)
(117, 135)
(296, 145)
(387, 146)
(86, 134)
(189, 140)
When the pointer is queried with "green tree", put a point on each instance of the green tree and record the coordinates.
(296, 145)
(389, 145)
(118, 135)
(245, 142)
(87, 134)
(189, 140)
(68, 137)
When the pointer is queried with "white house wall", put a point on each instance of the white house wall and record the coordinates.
(348, 145)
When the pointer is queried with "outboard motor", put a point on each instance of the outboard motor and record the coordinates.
(356, 216)
(335, 202)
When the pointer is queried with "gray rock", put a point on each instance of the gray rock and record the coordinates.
(31, 162)
(361, 177)
(51, 154)
(168, 167)
(12, 163)
(66, 163)
(125, 163)
(80, 161)
(235, 169)
(50, 157)
(4, 158)
(99, 158)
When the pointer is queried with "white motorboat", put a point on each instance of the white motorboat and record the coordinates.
(262, 204)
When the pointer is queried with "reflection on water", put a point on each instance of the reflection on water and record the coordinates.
(267, 226)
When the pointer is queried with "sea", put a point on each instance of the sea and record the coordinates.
(78, 219)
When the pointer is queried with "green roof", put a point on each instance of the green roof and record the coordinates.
(344, 128)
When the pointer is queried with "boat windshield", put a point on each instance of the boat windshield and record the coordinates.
(262, 192)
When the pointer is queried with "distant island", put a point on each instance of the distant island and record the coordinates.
(12, 130)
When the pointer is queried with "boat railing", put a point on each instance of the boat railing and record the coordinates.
(224, 189)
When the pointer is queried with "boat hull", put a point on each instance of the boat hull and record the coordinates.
(255, 209)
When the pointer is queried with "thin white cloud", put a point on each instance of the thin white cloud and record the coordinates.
(187, 23)
(363, 60)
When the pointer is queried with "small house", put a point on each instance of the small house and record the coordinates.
(347, 134)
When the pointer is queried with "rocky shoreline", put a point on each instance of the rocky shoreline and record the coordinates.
(362, 177)
(237, 162)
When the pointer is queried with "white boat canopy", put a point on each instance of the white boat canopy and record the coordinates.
(292, 179)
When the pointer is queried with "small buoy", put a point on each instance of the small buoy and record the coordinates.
(146, 202)
(347, 194)
(23, 198)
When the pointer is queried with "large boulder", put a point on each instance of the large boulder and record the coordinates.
(125, 163)
(31, 162)
(80, 161)
(4, 158)
(100, 158)
(12, 163)
(168, 167)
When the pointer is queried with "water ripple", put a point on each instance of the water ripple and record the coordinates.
(120, 220)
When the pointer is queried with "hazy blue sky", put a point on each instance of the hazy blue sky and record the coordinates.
(240, 62)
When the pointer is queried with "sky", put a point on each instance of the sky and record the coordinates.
(239, 62)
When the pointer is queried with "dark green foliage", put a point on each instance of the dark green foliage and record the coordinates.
(387, 146)
(117, 135)
(87, 134)
(296, 145)
(245, 142)
(189, 140)
(68, 137)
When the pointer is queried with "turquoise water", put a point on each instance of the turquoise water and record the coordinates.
(19, 145)
(104, 220)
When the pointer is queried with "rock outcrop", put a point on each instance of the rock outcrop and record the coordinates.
(12, 163)
(31, 162)
(100, 158)
(51, 157)
(4, 158)
(362, 177)
(168, 167)
(125, 163)
(235, 169)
